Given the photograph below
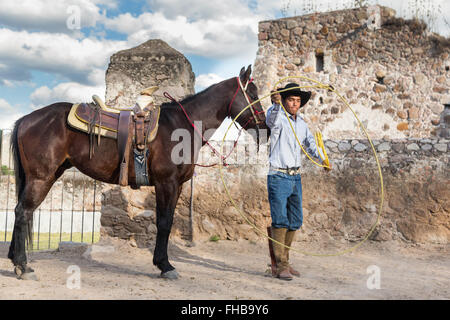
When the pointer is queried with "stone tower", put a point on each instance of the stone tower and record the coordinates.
(151, 63)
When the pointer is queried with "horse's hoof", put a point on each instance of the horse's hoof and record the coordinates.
(27, 275)
(172, 274)
(18, 271)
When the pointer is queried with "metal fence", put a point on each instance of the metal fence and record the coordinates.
(68, 213)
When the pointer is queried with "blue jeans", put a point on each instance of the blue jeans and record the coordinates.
(285, 199)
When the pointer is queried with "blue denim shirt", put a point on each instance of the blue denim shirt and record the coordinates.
(284, 149)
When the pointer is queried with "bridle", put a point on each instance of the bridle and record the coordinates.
(244, 92)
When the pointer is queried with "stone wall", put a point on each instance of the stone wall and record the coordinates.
(341, 205)
(394, 74)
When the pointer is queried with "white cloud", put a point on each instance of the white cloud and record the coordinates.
(59, 54)
(10, 72)
(49, 15)
(110, 4)
(65, 92)
(4, 105)
(7, 120)
(269, 9)
(7, 83)
(8, 114)
(230, 34)
(205, 80)
(201, 9)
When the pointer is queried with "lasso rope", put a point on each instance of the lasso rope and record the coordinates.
(318, 85)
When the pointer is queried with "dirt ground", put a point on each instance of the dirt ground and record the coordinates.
(232, 270)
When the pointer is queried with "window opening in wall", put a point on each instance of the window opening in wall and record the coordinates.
(319, 62)
(380, 80)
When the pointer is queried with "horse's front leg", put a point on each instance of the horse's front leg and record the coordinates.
(167, 194)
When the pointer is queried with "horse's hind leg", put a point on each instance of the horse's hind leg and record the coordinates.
(32, 196)
(17, 248)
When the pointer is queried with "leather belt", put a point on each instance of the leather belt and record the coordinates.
(290, 171)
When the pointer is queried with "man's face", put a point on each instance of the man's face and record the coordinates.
(292, 104)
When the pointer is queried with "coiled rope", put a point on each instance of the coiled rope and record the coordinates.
(318, 85)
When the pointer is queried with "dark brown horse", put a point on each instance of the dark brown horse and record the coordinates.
(44, 146)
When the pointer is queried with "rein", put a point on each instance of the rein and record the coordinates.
(240, 86)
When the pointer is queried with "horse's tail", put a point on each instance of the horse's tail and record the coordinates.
(18, 168)
(19, 173)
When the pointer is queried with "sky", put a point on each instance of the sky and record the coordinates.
(54, 51)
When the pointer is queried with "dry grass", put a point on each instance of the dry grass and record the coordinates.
(45, 242)
(396, 24)
(439, 44)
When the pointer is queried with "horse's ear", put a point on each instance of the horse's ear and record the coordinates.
(241, 73)
(245, 74)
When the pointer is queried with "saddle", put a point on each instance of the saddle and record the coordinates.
(132, 127)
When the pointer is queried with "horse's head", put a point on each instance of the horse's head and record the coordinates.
(247, 93)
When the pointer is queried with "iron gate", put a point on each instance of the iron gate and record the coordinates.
(68, 213)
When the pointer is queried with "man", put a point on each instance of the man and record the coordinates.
(284, 180)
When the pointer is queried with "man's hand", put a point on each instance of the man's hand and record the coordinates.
(327, 168)
(276, 97)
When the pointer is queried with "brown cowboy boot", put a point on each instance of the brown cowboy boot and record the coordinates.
(279, 234)
(289, 238)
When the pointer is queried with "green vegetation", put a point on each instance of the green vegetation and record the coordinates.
(214, 238)
(55, 238)
(6, 171)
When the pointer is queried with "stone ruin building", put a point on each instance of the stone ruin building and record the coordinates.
(393, 72)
